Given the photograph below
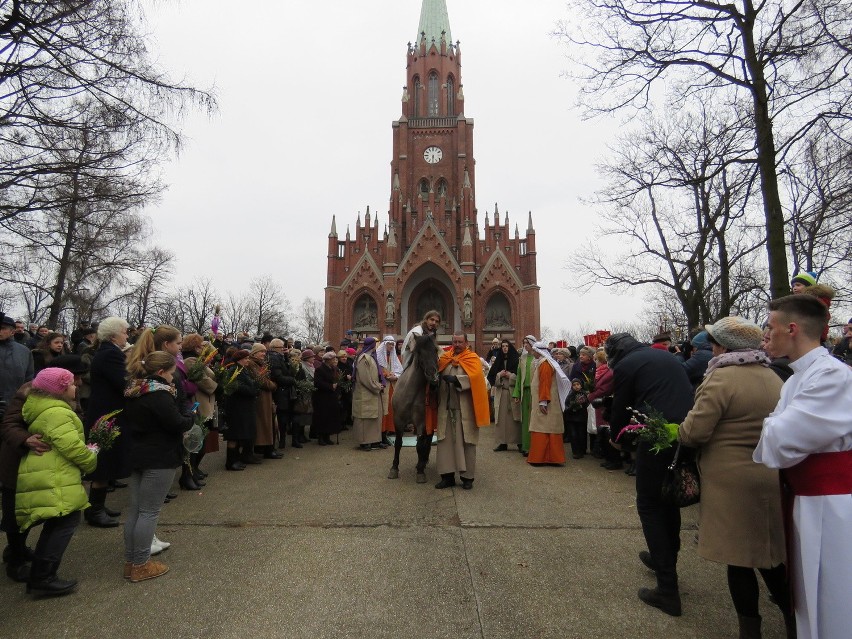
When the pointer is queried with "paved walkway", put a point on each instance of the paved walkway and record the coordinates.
(321, 544)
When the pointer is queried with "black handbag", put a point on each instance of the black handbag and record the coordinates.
(681, 484)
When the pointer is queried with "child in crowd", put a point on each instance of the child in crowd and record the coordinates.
(575, 418)
(50, 490)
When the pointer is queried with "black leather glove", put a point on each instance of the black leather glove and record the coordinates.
(451, 379)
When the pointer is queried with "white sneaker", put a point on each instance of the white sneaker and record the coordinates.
(158, 545)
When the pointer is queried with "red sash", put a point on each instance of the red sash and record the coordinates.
(818, 474)
(821, 474)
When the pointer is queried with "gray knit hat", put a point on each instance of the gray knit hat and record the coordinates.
(735, 333)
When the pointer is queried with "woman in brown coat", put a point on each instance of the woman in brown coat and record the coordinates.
(264, 440)
(740, 518)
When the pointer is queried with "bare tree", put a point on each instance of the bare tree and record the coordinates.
(198, 300)
(55, 55)
(791, 60)
(235, 315)
(268, 306)
(818, 181)
(679, 203)
(311, 321)
(153, 270)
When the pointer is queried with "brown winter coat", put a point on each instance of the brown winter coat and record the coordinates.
(740, 516)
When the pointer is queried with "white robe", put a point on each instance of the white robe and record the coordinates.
(814, 415)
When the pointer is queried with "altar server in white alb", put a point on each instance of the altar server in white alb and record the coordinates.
(809, 437)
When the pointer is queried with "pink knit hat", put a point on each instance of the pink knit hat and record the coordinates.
(53, 381)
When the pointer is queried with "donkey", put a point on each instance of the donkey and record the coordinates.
(409, 402)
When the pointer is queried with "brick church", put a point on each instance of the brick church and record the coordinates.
(431, 253)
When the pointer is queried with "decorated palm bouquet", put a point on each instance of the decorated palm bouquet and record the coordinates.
(207, 359)
(104, 432)
(650, 427)
(227, 378)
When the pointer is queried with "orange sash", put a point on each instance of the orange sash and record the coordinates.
(469, 362)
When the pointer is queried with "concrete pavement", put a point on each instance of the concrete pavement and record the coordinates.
(321, 544)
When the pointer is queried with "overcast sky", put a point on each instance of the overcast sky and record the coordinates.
(307, 94)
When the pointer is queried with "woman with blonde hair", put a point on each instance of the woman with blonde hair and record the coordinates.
(169, 339)
(155, 428)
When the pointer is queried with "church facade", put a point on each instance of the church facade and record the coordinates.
(431, 253)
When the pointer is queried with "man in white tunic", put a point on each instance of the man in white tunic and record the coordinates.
(809, 437)
(429, 326)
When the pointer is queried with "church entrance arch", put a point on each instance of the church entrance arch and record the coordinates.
(430, 288)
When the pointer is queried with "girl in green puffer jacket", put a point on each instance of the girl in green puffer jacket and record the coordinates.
(50, 490)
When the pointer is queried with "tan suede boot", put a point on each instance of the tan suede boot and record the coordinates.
(149, 570)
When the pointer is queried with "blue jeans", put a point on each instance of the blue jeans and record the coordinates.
(148, 490)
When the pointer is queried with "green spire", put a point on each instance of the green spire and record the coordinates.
(433, 20)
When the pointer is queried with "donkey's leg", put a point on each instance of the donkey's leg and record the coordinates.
(397, 446)
(424, 445)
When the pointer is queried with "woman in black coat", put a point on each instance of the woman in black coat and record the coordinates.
(240, 412)
(108, 379)
(326, 407)
(281, 373)
(154, 427)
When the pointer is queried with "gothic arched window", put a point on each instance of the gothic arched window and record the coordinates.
(424, 189)
(451, 97)
(441, 191)
(433, 95)
(418, 96)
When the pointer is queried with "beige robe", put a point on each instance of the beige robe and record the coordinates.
(506, 411)
(457, 431)
(367, 406)
(539, 422)
(740, 516)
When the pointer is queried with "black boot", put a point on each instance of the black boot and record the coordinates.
(668, 602)
(186, 481)
(269, 452)
(448, 480)
(18, 570)
(96, 515)
(297, 443)
(749, 627)
(247, 456)
(43, 580)
(232, 461)
(195, 462)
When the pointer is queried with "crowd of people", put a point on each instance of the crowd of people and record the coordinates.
(722, 396)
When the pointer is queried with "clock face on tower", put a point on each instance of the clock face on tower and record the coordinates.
(433, 154)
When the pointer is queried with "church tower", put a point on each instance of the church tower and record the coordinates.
(431, 254)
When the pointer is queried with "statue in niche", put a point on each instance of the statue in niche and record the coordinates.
(498, 314)
(366, 315)
(430, 300)
(467, 309)
(390, 309)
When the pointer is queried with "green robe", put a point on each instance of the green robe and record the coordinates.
(522, 392)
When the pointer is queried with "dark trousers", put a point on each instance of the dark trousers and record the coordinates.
(15, 538)
(575, 426)
(55, 536)
(660, 522)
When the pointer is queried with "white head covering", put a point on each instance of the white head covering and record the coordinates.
(395, 365)
(563, 384)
